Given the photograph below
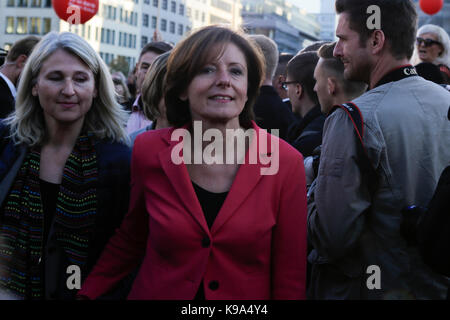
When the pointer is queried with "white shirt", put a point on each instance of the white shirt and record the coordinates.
(11, 85)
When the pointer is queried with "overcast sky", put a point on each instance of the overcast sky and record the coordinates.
(312, 6)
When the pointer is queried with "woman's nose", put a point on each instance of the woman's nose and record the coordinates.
(223, 78)
(68, 88)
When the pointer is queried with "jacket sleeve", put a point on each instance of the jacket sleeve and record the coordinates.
(336, 221)
(126, 248)
(289, 237)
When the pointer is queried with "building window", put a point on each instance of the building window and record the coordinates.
(172, 27)
(164, 4)
(36, 3)
(154, 21)
(196, 15)
(173, 6)
(145, 20)
(9, 24)
(108, 36)
(155, 3)
(188, 12)
(10, 3)
(35, 25)
(113, 37)
(22, 3)
(102, 35)
(144, 41)
(47, 26)
(48, 3)
(147, 1)
(22, 25)
(89, 33)
(130, 40)
(181, 9)
(163, 25)
(180, 29)
(203, 17)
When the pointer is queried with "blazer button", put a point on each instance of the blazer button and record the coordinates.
(214, 285)
(206, 242)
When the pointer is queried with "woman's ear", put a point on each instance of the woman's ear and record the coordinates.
(34, 90)
(183, 96)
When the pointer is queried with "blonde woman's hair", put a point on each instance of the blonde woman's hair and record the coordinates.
(442, 37)
(105, 120)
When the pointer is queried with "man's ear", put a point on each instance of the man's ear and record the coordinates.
(331, 85)
(20, 61)
(377, 41)
(298, 91)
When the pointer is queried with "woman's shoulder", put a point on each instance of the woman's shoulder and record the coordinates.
(112, 151)
(156, 137)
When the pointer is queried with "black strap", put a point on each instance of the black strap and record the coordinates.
(356, 117)
(398, 74)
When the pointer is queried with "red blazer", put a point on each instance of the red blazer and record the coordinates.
(256, 248)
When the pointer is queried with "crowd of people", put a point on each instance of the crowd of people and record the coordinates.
(355, 133)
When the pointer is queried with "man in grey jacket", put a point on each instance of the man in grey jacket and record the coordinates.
(354, 221)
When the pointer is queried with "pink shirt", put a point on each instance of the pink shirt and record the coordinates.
(137, 119)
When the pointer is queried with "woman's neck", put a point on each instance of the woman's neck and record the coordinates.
(63, 135)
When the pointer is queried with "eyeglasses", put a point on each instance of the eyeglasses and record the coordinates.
(284, 84)
(426, 42)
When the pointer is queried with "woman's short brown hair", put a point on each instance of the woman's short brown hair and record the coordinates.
(153, 86)
(190, 55)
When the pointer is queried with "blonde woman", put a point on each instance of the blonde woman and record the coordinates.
(64, 170)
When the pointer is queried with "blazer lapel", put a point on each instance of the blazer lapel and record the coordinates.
(247, 178)
(181, 182)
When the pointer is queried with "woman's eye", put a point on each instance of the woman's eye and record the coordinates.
(236, 71)
(80, 79)
(208, 69)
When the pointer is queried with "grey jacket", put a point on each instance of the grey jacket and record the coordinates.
(407, 137)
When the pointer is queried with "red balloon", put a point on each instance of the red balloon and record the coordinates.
(431, 6)
(75, 11)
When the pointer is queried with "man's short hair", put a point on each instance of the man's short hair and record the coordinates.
(270, 51)
(158, 47)
(23, 46)
(283, 60)
(301, 69)
(335, 66)
(313, 46)
(398, 22)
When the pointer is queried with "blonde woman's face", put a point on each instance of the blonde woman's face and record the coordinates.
(428, 52)
(65, 88)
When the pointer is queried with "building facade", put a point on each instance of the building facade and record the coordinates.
(289, 26)
(121, 27)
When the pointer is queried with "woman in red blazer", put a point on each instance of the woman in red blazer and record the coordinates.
(218, 205)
